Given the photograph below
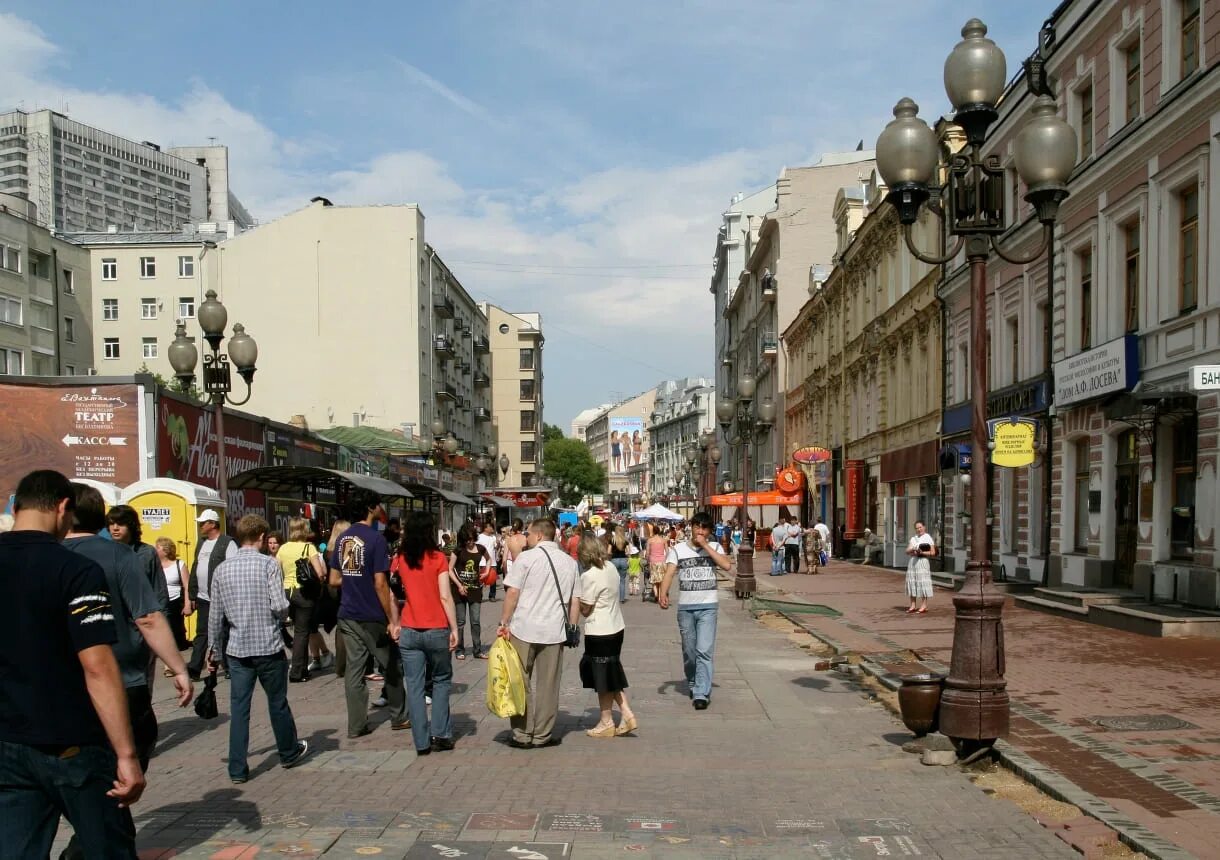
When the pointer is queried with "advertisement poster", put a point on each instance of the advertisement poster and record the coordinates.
(854, 485)
(186, 443)
(628, 444)
(82, 431)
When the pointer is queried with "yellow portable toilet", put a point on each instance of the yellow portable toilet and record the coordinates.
(167, 508)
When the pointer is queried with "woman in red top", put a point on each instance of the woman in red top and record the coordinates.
(429, 632)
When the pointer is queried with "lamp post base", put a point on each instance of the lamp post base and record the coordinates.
(974, 706)
(743, 583)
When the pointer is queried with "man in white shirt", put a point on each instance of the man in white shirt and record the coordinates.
(694, 562)
(824, 531)
(490, 542)
(792, 547)
(213, 548)
(540, 599)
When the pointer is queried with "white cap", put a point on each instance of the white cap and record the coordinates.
(208, 515)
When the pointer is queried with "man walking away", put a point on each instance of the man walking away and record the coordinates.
(368, 617)
(779, 534)
(65, 738)
(824, 531)
(792, 547)
(214, 547)
(540, 599)
(248, 598)
(694, 563)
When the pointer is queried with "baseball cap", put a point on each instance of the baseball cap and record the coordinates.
(208, 515)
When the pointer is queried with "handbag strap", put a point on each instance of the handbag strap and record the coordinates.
(559, 591)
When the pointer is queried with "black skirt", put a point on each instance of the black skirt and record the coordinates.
(600, 667)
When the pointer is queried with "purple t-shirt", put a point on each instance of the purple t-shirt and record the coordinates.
(361, 553)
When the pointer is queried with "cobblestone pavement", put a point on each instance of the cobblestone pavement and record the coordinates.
(1157, 767)
(787, 762)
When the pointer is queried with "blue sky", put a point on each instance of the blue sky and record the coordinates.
(572, 158)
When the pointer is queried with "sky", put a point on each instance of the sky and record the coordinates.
(571, 157)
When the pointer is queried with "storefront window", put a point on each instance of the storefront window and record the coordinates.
(1182, 522)
(1082, 496)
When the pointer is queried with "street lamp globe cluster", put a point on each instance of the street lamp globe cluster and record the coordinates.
(735, 413)
(967, 191)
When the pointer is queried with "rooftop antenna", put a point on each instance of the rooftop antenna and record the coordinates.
(211, 141)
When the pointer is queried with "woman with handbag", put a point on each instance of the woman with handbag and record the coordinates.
(601, 669)
(177, 575)
(465, 572)
(304, 575)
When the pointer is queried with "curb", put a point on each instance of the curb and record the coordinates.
(1051, 782)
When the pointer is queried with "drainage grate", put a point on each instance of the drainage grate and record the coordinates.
(763, 604)
(1143, 723)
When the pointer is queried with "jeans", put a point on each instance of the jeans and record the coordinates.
(365, 639)
(461, 609)
(426, 652)
(40, 786)
(621, 565)
(698, 629)
(777, 562)
(792, 557)
(271, 672)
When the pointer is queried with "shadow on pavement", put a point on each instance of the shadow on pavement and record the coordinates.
(184, 825)
(812, 683)
(172, 733)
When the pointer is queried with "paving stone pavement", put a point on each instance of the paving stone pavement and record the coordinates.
(787, 762)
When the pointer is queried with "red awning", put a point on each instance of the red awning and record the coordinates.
(762, 497)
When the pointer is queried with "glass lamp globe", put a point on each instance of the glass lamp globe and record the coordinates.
(975, 71)
(907, 152)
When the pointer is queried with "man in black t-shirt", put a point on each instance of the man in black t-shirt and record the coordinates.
(65, 740)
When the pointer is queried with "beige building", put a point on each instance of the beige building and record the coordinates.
(582, 419)
(516, 394)
(618, 440)
(864, 374)
(45, 323)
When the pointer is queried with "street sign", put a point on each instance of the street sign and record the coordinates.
(1013, 441)
(1205, 377)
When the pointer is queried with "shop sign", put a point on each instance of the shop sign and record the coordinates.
(1015, 400)
(1107, 369)
(1205, 377)
(810, 454)
(854, 485)
(1013, 441)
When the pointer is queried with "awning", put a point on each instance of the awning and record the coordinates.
(456, 498)
(914, 461)
(300, 479)
(499, 501)
(762, 497)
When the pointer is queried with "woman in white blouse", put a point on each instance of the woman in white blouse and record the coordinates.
(920, 548)
(600, 667)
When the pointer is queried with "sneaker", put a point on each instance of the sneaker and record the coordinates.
(298, 757)
(442, 744)
(238, 780)
(427, 700)
(314, 666)
(327, 660)
(700, 704)
(380, 702)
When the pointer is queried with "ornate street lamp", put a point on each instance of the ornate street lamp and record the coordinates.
(974, 708)
(217, 367)
(504, 464)
(750, 424)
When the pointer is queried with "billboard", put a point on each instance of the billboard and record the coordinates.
(186, 442)
(628, 444)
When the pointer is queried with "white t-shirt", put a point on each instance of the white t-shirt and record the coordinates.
(824, 531)
(488, 542)
(540, 617)
(794, 535)
(696, 575)
(599, 589)
(201, 567)
(779, 534)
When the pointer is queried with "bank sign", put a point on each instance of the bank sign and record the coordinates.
(1107, 369)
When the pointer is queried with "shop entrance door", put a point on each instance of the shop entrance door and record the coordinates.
(900, 525)
(1126, 500)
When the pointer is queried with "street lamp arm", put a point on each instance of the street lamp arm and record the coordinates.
(1035, 254)
(929, 258)
(244, 400)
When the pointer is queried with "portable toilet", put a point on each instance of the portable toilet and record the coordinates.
(111, 493)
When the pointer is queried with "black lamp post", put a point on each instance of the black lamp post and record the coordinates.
(750, 425)
(971, 201)
(217, 376)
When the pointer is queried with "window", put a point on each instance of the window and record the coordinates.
(1131, 55)
(12, 361)
(110, 309)
(527, 359)
(527, 479)
(1085, 261)
(69, 330)
(69, 370)
(1131, 278)
(1182, 516)
(40, 266)
(1081, 541)
(527, 452)
(1014, 349)
(186, 267)
(110, 270)
(1086, 122)
(528, 420)
(149, 345)
(10, 311)
(1188, 248)
(148, 267)
(69, 283)
(1190, 37)
(186, 307)
(10, 258)
(110, 347)
(148, 309)
(527, 389)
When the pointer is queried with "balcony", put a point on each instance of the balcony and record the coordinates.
(443, 346)
(770, 346)
(481, 344)
(446, 392)
(443, 306)
(464, 366)
(768, 287)
(481, 379)
(482, 413)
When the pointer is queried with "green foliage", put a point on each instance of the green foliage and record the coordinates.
(550, 433)
(570, 465)
(172, 384)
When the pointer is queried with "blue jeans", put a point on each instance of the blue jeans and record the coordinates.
(40, 786)
(621, 565)
(698, 629)
(271, 672)
(777, 562)
(427, 652)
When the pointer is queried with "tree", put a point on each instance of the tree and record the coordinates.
(193, 393)
(550, 433)
(571, 466)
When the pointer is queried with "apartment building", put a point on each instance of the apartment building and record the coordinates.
(85, 179)
(516, 343)
(683, 409)
(582, 419)
(46, 328)
(618, 440)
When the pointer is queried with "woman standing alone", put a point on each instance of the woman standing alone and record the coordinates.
(919, 573)
(601, 669)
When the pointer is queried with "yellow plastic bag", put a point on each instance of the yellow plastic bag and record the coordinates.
(505, 680)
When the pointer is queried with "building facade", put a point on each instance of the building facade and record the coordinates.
(46, 328)
(617, 439)
(582, 419)
(516, 343)
(85, 179)
(683, 409)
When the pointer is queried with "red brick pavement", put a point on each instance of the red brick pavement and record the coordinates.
(1072, 672)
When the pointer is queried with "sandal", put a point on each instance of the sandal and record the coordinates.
(912, 609)
(480, 656)
(921, 611)
(461, 656)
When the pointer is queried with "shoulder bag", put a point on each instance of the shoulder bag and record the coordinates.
(307, 577)
(571, 631)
